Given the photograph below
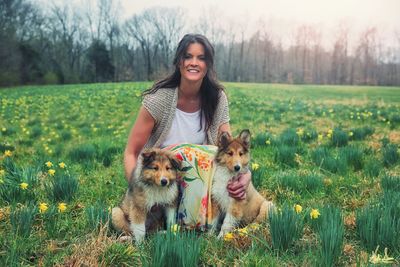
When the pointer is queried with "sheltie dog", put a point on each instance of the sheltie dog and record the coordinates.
(153, 182)
(231, 160)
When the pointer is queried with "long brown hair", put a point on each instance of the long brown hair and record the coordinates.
(210, 87)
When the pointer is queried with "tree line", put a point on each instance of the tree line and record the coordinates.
(61, 44)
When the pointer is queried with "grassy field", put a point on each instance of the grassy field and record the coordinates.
(327, 155)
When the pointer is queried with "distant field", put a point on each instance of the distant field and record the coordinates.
(332, 150)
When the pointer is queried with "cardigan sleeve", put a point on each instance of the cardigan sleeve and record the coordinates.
(151, 102)
(223, 109)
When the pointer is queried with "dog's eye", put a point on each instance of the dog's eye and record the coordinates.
(155, 168)
(240, 153)
(230, 153)
(168, 168)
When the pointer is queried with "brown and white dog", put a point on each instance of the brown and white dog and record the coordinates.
(153, 182)
(232, 159)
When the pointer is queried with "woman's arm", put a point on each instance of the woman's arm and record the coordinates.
(138, 137)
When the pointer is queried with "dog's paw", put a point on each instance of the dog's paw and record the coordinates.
(124, 238)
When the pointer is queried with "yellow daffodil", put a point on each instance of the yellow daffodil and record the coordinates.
(7, 153)
(298, 208)
(314, 214)
(330, 131)
(327, 181)
(62, 207)
(49, 164)
(61, 165)
(243, 231)
(320, 137)
(51, 172)
(254, 226)
(228, 237)
(255, 166)
(329, 135)
(43, 207)
(300, 132)
(23, 186)
(268, 142)
(175, 228)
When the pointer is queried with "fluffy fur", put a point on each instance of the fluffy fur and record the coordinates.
(153, 183)
(232, 159)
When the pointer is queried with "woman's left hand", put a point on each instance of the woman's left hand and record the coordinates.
(237, 188)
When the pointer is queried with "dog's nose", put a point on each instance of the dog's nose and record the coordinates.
(164, 182)
(237, 168)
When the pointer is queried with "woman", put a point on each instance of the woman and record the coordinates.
(189, 106)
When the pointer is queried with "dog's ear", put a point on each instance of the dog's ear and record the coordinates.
(224, 139)
(175, 162)
(245, 137)
(148, 157)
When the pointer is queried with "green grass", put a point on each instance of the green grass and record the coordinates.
(316, 146)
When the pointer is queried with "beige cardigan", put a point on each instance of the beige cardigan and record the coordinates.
(162, 104)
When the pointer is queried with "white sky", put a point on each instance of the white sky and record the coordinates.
(314, 11)
(282, 16)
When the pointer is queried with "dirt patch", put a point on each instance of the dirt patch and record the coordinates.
(394, 137)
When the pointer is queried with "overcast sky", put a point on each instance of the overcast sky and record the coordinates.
(386, 12)
(281, 17)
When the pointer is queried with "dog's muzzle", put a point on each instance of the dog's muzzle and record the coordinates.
(164, 181)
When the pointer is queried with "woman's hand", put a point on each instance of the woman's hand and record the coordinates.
(237, 188)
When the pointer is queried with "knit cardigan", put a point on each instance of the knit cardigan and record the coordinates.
(162, 104)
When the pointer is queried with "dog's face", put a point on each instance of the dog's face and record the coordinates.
(234, 153)
(159, 167)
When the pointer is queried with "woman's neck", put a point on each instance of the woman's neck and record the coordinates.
(189, 90)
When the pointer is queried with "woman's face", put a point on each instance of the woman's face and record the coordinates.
(193, 66)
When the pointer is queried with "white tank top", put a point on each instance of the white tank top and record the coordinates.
(185, 129)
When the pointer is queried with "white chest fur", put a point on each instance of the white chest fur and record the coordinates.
(219, 191)
(160, 195)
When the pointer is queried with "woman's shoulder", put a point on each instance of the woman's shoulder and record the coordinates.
(161, 93)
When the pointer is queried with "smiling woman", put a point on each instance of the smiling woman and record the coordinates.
(187, 107)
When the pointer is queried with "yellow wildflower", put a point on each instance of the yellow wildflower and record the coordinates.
(23, 186)
(43, 207)
(320, 137)
(298, 208)
(314, 214)
(330, 131)
(7, 153)
(175, 228)
(254, 226)
(331, 110)
(62, 207)
(51, 172)
(243, 231)
(351, 133)
(49, 164)
(228, 237)
(268, 142)
(255, 166)
(2, 172)
(329, 135)
(300, 132)
(3, 129)
(61, 165)
(327, 181)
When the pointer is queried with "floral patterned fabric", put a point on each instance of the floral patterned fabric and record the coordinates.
(195, 184)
